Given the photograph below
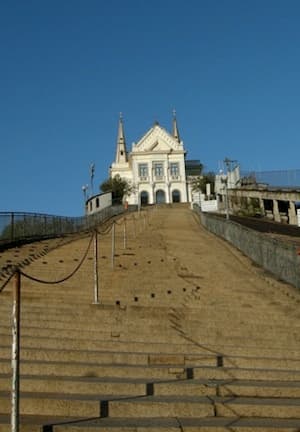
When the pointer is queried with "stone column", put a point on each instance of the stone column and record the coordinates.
(168, 193)
(262, 206)
(292, 214)
(276, 211)
(151, 195)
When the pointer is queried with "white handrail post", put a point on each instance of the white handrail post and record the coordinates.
(134, 226)
(15, 408)
(113, 245)
(96, 278)
(125, 233)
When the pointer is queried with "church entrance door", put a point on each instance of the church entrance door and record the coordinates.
(175, 196)
(160, 197)
(144, 198)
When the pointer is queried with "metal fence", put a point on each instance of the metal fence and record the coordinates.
(280, 178)
(278, 256)
(22, 227)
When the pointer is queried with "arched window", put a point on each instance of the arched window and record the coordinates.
(175, 196)
(160, 196)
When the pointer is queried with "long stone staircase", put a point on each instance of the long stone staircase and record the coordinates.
(188, 335)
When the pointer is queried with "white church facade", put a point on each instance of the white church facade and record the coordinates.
(155, 166)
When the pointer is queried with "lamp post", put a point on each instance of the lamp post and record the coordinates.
(84, 190)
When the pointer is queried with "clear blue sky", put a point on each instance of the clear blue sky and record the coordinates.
(231, 69)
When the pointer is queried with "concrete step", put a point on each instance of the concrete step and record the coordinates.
(151, 406)
(208, 424)
(104, 406)
(174, 406)
(37, 423)
(225, 373)
(261, 362)
(51, 404)
(61, 311)
(105, 357)
(197, 387)
(106, 320)
(135, 358)
(114, 344)
(143, 386)
(33, 423)
(257, 407)
(167, 336)
(79, 385)
(95, 370)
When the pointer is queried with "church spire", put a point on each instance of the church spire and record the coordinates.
(121, 154)
(175, 127)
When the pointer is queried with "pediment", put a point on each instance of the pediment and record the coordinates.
(157, 139)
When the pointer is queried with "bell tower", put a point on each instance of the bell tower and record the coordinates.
(121, 153)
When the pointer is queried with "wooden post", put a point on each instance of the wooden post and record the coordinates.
(16, 352)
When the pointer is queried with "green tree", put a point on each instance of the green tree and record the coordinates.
(118, 186)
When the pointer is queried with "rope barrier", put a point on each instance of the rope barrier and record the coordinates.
(58, 281)
(107, 231)
(7, 281)
(63, 241)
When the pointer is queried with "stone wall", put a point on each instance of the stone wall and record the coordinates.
(282, 259)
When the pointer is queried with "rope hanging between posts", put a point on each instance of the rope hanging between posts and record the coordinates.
(7, 281)
(107, 231)
(58, 281)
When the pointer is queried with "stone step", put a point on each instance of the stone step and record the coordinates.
(261, 362)
(106, 357)
(35, 423)
(208, 424)
(51, 404)
(114, 344)
(252, 388)
(101, 334)
(67, 310)
(79, 385)
(167, 336)
(257, 407)
(151, 406)
(151, 358)
(166, 406)
(104, 406)
(95, 370)
(143, 386)
(225, 373)
(140, 315)
(99, 318)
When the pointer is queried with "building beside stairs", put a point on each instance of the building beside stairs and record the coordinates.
(155, 167)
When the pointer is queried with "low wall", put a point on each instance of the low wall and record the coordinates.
(280, 258)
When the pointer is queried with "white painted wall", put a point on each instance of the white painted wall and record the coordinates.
(104, 200)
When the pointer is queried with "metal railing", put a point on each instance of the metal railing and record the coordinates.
(24, 227)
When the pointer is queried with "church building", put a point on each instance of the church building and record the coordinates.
(155, 166)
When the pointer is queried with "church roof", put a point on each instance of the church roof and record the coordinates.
(157, 139)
